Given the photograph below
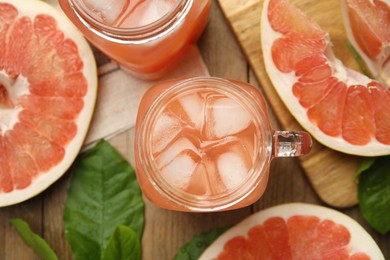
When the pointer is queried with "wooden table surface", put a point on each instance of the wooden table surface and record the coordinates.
(166, 231)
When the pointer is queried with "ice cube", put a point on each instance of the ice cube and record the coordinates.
(179, 146)
(232, 168)
(227, 161)
(178, 162)
(165, 130)
(154, 11)
(141, 12)
(107, 11)
(188, 109)
(216, 185)
(199, 182)
(224, 117)
(179, 171)
(193, 105)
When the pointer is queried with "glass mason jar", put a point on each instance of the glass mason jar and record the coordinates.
(145, 37)
(205, 144)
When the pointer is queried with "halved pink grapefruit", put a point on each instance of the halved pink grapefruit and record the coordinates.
(341, 108)
(48, 86)
(367, 23)
(295, 231)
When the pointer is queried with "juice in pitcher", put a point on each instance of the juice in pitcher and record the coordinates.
(146, 37)
(205, 144)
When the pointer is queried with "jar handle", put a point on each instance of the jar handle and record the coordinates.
(291, 143)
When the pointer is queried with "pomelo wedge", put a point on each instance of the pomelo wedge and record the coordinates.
(341, 108)
(295, 231)
(367, 23)
(48, 87)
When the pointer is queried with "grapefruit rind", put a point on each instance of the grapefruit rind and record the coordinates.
(360, 241)
(283, 83)
(31, 8)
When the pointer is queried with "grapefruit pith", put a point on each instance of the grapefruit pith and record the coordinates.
(341, 108)
(295, 231)
(367, 24)
(48, 86)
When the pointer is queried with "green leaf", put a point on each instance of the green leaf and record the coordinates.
(34, 241)
(194, 249)
(374, 194)
(364, 165)
(103, 194)
(358, 59)
(123, 245)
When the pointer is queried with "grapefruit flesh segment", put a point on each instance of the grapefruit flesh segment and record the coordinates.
(297, 22)
(66, 108)
(19, 40)
(368, 28)
(295, 231)
(309, 63)
(327, 113)
(64, 86)
(236, 248)
(8, 13)
(6, 184)
(47, 97)
(255, 235)
(45, 28)
(381, 97)
(311, 93)
(369, 23)
(57, 130)
(276, 233)
(359, 117)
(21, 165)
(43, 153)
(287, 52)
(317, 89)
(312, 238)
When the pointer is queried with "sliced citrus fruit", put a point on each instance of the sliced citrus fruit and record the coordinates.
(48, 86)
(295, 231)
(367, 24)
(341, 108)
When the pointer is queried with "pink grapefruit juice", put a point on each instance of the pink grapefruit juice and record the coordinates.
(203, 147)
(146, 37)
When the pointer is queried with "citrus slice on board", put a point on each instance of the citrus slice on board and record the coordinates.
(367, 24)
(295, 231)
(48, 86)
(340, 107)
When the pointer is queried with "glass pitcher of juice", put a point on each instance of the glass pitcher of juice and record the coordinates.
(205, 144)
(145, 37)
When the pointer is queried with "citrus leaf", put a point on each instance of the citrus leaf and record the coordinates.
(194, 249)
(374, 194)
(364, 165)
(34, 241)
(123, 245)
(103, 194)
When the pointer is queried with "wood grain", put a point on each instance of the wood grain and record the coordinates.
(329, 172)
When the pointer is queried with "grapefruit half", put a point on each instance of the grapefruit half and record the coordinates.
(341, 108)
(295, 231)
(367, 24)
(48, 86)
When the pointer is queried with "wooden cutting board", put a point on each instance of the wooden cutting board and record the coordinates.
(329, 172)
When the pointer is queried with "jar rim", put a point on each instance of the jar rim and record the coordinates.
(191, 201)
(136, 35)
